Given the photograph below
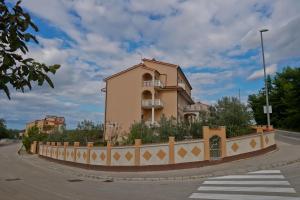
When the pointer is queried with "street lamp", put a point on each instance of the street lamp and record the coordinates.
(266, 85)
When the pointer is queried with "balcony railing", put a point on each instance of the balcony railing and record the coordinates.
(182, 85)
(150, 123)
(157, 83)
(149, 103)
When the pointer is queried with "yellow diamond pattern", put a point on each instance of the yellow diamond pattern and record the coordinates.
(94, 156)
(102, 156)
(128, 156)
(253, 143)
(182, 152)
(196, 151)
(267, 139)
(84, 155)
(161, 154)
(117, 156)
(147, 155)
(235, 147)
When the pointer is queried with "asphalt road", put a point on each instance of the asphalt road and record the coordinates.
(21, 180)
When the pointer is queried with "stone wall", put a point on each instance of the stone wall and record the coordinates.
(158, 154)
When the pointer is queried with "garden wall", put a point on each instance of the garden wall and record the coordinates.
(166, 154)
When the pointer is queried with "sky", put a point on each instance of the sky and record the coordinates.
(216, 43)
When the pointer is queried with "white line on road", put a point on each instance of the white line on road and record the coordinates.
(249, 177)
(266, 172)
(239, 197)
(247, 189)
(246, 183)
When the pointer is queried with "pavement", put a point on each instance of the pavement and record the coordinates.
(30, 177)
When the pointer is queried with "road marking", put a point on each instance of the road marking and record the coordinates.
(239, 197)
(249, 177)
(246, 183)
(266, 172)
(247, 189)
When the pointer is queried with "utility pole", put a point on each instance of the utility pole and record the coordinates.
(265, 76)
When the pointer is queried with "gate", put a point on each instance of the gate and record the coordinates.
(215, 148)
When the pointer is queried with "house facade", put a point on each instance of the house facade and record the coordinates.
(145, 92)
(50, 124)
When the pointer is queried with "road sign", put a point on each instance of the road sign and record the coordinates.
(265, 109)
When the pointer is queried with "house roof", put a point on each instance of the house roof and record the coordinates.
(128, 69)
(171, 65)
(144, 66)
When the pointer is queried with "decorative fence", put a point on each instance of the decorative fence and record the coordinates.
(213, 146)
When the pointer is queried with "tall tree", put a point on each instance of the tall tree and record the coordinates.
(3, 130)
(16, 69)
(284, 97)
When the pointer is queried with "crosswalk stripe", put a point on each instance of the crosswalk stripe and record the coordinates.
(246, 182)
(239, 197)
(247, 189)
(266, 172)
(250, 177)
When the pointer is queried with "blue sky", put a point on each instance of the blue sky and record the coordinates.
(216, 43)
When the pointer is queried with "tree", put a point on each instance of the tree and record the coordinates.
(284, 96)
(16, 69)
(33, 134)
(3, 130)
(230, 112)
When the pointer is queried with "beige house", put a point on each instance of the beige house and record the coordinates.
(50, 124)
(145, 92)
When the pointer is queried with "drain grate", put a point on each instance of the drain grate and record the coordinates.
(13, 179)
(74, 180)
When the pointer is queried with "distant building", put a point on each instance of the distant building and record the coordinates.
(50, 124)
(192, 112)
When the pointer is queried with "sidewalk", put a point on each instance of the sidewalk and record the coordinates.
(285, 154)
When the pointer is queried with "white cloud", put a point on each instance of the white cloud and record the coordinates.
(106, 36)
(260, 73)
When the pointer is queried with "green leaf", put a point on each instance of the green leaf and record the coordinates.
(49, 81)
(5, 88)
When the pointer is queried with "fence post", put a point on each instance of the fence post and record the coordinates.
(137, 152)
(47, 148)
(261, 132)
(52, 149)
(89, 146)
(108, 153)
(58, 144)
(171, 150)
(66, 144)
(206, 142)
(75, 145)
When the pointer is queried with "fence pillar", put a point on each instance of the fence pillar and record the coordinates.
(52, 149)
(58, 144)
(47, 148)
(108, 153)
(206, 142)
(76, 145)
(137, 152)
(33, 147)
(171, 150)
(261, 133)
(66, 144)
(89, 146)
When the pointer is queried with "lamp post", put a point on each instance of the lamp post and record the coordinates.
(265, 76)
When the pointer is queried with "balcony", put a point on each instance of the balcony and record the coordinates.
(148, 103)
(152, 124)
(182, 85)
(150, 83)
